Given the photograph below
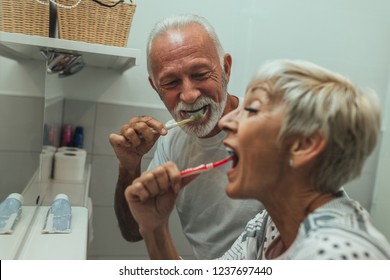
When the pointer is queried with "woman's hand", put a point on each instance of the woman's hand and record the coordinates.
(152, 196)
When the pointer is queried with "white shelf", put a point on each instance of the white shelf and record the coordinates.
(20, 46)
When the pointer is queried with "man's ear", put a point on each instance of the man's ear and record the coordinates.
(227, 64)
(306, 149)
(152, 84)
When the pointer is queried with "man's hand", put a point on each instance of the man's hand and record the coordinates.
(135, 139)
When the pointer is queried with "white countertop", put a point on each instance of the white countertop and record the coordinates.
(71, 246)
(27, 242)
(9, 243)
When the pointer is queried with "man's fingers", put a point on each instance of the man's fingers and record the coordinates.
(117, 140)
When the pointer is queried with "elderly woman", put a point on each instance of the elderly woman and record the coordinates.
(301, 134)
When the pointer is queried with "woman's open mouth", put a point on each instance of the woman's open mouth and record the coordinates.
(235, 158)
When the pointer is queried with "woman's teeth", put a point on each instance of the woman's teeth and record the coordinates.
(230, 152)
(234, 157)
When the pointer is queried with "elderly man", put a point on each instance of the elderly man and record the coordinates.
(190, 72)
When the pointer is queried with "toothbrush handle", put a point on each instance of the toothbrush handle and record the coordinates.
(204, 167)
(172, 125)
(169, 126)
(193, 170)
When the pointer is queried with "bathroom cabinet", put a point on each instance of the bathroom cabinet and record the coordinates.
(27, 242)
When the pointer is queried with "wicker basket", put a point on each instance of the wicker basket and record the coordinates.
(24, 16)
(93, 23)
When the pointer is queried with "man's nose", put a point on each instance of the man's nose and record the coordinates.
(189, 92)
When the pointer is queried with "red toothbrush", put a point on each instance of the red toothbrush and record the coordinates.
(204, 167)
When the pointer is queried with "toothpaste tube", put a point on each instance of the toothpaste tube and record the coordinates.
(10, 212)
(58, 218)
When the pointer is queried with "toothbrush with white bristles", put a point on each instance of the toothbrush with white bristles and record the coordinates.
(183, 122)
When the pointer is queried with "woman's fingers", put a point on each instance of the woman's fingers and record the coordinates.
(156, 182)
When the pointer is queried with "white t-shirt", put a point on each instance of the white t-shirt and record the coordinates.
(210, 219)
(338, 230)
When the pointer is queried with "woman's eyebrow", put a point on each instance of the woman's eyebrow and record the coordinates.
(263, 96)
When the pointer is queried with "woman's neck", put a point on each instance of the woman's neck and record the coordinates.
(289, 212)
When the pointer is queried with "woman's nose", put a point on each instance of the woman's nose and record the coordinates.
(229, 121)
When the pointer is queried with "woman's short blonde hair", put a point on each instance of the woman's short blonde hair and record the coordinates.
(318, 100)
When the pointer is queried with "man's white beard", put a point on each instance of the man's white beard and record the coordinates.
(216, 109)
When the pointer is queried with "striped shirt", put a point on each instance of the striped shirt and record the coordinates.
(340, 229)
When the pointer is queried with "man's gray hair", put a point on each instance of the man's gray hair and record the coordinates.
(177, 22)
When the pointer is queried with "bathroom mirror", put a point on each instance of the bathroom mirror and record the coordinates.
(31, 109)
(21, 117)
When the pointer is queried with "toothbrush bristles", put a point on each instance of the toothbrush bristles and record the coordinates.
(195, 117)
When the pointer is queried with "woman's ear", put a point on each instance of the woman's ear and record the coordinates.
(306, 149)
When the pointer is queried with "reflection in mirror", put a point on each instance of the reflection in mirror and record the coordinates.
(53, 111)
(21, 119)
(63, 63)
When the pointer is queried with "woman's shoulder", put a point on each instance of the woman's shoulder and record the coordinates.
(340, 230)
(339, 244)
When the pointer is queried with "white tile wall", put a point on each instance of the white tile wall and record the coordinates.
(362, 188)
(53, 121)
(102, 189)
(110, 118)
(108, 244)
(21, 121)
(82, 113)
(21, 129)
(16, 169)
(380, 206)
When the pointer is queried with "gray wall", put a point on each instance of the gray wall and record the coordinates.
(21, 129)
(21, 123)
